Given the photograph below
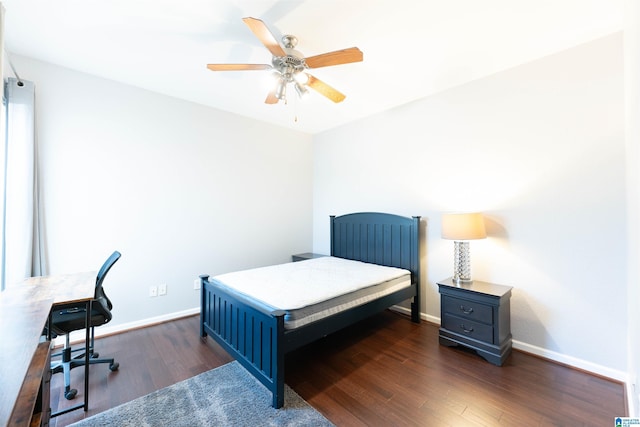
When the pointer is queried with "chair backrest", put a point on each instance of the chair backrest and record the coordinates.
(115, 256)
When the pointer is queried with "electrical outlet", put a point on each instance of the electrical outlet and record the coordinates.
(196, 284)
(153, 291)
(162, 289)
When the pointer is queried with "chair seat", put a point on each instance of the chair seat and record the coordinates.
(63, 324)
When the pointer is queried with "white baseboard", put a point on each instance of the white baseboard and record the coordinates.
(633, 397)
(407, 311)
(108, 329)
(574, 362)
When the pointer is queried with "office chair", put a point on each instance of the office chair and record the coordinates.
(66, 318)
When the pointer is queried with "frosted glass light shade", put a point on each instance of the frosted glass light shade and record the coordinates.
(463, 226)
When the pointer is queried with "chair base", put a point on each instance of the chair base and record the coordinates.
(67, 363)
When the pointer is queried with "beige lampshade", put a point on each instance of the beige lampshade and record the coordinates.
(463, 226)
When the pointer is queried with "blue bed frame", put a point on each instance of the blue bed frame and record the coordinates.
(257, 338)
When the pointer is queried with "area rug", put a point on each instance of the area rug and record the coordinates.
(225, 396)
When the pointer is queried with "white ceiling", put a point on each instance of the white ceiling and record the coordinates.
(412, 48)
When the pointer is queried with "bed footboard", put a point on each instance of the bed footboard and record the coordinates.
(252, 336)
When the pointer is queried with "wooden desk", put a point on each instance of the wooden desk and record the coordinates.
(24, 311)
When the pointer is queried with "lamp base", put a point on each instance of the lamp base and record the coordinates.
(461, 262)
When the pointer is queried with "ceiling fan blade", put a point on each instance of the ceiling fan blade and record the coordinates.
(344, 56)
(271, 98)
(238, 67)
(261, 31)
(324, 89)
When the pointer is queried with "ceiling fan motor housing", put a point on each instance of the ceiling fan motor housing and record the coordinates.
(291, 64)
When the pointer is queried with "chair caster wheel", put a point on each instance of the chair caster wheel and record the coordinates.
(95, 355)
(70, 394)
(114, 366)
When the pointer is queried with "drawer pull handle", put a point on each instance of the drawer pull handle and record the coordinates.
(465, 330)
(466, 310)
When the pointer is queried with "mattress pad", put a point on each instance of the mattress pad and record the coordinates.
(301, 284)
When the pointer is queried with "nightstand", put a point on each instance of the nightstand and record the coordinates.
(476, 315)
(306, 255)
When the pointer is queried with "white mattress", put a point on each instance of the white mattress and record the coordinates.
(312, 289)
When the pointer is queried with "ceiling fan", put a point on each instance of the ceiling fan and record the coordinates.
(290, 66)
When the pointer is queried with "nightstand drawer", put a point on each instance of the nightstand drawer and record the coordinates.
(469, 328)
(467, 309)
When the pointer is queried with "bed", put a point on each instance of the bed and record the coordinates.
(259, 335)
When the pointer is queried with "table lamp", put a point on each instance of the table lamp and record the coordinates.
(462, 227)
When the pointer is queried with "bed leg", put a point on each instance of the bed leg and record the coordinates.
(278, 397)
(415, 311)
(203, 279)
(278, 361)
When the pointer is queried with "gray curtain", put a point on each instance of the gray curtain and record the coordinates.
(21, 245)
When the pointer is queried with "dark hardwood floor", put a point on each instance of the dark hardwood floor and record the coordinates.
(383, 371)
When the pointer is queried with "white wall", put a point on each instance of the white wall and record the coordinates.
(540, 150)
(180, 189)
(632, 110)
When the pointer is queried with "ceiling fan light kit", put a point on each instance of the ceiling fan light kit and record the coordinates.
(290, 66)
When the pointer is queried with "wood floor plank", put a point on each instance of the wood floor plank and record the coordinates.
(383, 371)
